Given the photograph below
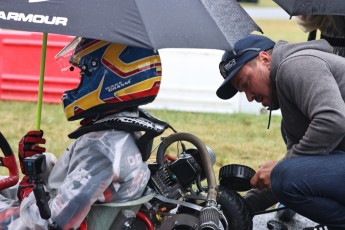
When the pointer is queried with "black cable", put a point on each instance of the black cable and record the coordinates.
(268, 211)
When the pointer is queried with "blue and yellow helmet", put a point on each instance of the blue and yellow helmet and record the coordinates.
(113, 76)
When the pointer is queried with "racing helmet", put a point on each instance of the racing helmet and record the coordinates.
(113, 76)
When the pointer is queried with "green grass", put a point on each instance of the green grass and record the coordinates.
(277, 29)
(261, 3)
(281, 29)
(235, 138)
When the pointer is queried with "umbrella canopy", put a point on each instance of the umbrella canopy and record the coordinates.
(312, 7)
(149, 24)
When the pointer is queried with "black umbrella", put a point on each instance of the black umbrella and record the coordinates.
(144, 23)
(312, 7)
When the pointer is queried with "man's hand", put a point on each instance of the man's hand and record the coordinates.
(28, 146)
(261, 179)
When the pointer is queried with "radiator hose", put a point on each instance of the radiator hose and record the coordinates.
(209, 215)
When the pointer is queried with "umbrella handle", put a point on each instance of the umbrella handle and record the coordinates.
(41, 81)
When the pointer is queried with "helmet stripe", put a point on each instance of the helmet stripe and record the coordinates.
(112, 61)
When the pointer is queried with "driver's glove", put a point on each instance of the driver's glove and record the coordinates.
(28, 146)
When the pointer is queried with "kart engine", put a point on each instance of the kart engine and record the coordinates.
(176, 177)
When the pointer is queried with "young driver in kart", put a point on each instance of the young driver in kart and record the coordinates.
(104, 163)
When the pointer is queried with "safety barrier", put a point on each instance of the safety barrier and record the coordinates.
(190, 77)
(20, 67)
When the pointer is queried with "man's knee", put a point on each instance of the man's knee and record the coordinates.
(282, 177)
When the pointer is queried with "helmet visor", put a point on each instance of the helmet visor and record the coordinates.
(64, 57)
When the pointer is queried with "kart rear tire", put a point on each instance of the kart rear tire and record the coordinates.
(234, 208)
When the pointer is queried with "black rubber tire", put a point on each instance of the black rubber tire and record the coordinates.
(234, 208)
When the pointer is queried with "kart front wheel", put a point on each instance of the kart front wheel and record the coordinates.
(234, 209)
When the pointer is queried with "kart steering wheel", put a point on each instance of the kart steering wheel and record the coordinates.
(9, 161)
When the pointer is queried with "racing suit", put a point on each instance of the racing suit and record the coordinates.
(102, 166)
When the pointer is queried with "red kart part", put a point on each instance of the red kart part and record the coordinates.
(9, 161)
(146, 220)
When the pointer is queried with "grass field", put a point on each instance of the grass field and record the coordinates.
(281, 29)
(277, 29)
(235, 138)
(260, 3)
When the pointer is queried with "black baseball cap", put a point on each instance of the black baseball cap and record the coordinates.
(232, 61)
